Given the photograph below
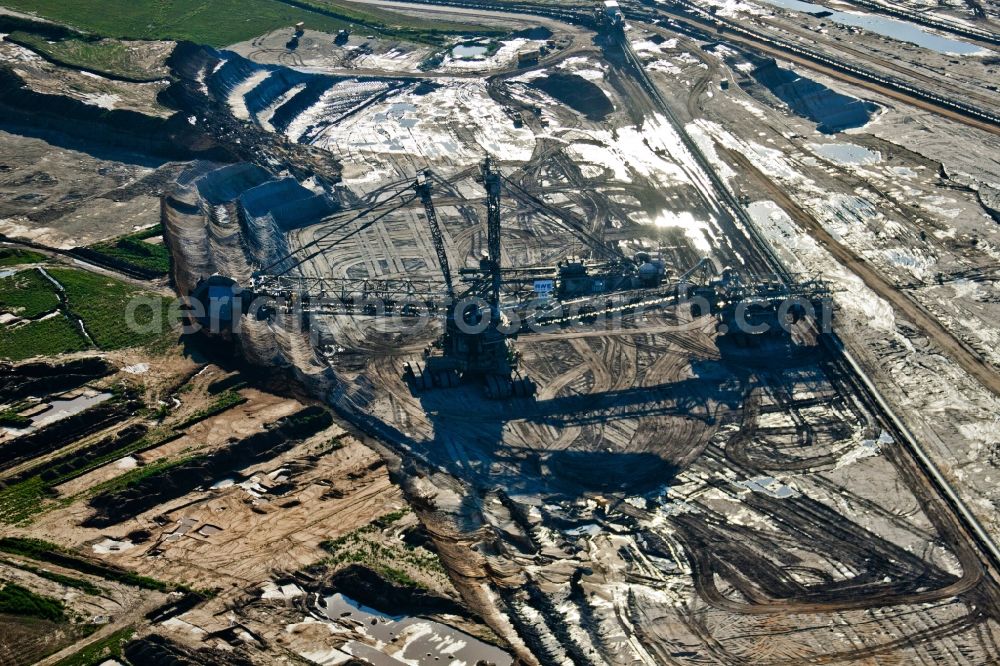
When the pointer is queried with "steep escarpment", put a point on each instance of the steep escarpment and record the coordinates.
(57, 117)
(220, 89)
(231, 220)
(287, 102)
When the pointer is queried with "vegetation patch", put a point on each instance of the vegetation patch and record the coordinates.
(23, 500)
(16, 257)
(133, 494)
(30, 492)
(212, 23)
(194, 20)
(224, 402)
(27, 294)
(107, 56)
(394, 25)
(46, 337)
(68, 581)
(114, 447)
(134, 477)
(233, 382)
(43, 551)
(394, 561)
(116, 314)
(134, 250)
(10, 418)
(20, 601)
(55, 436)
(98, 652)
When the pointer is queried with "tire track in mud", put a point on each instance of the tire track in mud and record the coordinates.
(552, 387)
(595, 364)
(700, 546)
(624, 356)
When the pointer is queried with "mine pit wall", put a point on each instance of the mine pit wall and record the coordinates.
(231, 74)
(186, 235)
(226, 244)
(206, 237)
(263, 241)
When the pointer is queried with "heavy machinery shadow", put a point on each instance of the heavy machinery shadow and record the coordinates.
(476, 440)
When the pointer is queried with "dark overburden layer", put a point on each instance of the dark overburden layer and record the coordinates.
(70, 122)
(41, 379)
(577, 93)
(115, 506)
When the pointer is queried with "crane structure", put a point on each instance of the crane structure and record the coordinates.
(491, 181)
(479, 330)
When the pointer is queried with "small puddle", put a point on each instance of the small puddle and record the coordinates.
(402, 107)
(846, 153)
(59, 409)
(469, 51)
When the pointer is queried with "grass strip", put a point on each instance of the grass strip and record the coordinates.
(47, 337)
(17, 257)
(133, 250)
(98, 652)
(225, 401)
(213, 22)
(20, 601)
(135, 476)
(68, 581)
(43, 551)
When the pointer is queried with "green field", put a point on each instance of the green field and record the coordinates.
(30, 294)
(214, 22)
(221, 22)
(20, 601)
(133, 249)
(47, 337)
(27, 294)
(103, 302)
(15, 257)
(110, 56)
